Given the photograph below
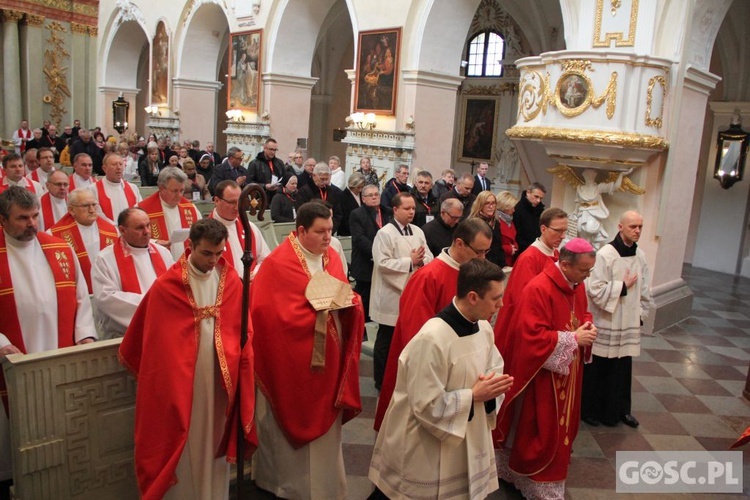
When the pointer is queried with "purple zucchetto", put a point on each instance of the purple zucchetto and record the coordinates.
(579, 245)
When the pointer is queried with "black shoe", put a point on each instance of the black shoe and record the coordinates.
(591, 421)
(630, 421)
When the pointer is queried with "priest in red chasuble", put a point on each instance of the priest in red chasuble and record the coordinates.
(183, 346)
(539, 420)
(308, 327)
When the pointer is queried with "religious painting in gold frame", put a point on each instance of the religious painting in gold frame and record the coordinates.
(378, 54)
(160, 66)
(245, 51)
(478, 125)
(573, 93)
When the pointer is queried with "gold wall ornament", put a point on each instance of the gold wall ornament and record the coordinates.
(655, 122)
(55, 72)
(594, 137)
(493, 90)
(590, 159)
(79, 29)
(627, 185)
(568, 175)
(615, 4)
(33, 20)
(533, 95)
(93, 31)
(620, 40)
(579, 65)
(11, 16)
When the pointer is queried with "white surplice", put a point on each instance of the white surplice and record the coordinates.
(314, 471)
(199, 474)
(261, 247)
(427, 447)
(392, 268)
(173, 220)
(114, 307)
(116, 193)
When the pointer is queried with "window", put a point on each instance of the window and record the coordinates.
(486, 50)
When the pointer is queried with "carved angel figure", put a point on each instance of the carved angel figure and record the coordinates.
(590, 209)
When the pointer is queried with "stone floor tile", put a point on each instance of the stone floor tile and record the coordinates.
(610, 443)
(645, 401)
(724, 372)
(585, 445)
(357, 459)
(722, 405)
(681, 403)
(596, 473)
(735, 355)
(684, 370)
(734, 387)
(704, 425)
(658, 422)
(664, 442)
(668, 355)
(662, 385)
(701, 386)
(649, 368)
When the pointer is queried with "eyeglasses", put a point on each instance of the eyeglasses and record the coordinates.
(272, 149)
(87, 206)
(371, 195)
(478, 252)
(229, 202)
(558, 230)
(297, 157)
(453, 217)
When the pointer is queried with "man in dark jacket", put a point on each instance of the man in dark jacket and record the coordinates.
(439, 232)
(323, 190)
(230, 169)
(462, 192)
(397, 184)
(427, 204)
(364, 223)
(526, 216)
(85, 144)
(266, 169)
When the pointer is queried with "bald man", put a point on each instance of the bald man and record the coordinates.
(619, 290)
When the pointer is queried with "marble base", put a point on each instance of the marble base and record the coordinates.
(674, 303)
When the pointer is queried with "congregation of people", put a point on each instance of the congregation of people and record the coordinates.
(497, 333)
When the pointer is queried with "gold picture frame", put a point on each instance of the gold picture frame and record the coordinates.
(573, 93)
(245, 57)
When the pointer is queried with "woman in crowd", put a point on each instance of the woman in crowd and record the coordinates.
(484, 208)
(282, 205)
(506, 205)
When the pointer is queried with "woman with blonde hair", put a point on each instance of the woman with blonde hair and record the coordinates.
(506, 205)
(484, 208)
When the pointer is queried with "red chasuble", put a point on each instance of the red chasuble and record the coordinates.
(106, 203)
(67, 229)
(551, 407)
(305, 402)
(59, 256)
(153, 207)
(430, 290)
(530, 263)
(163, 362)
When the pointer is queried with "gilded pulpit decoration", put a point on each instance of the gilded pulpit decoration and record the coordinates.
(662, 82)
(55, 73)
(614, 28)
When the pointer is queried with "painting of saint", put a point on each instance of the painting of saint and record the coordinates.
(478, 131)
(573, 91)
(160, 66)
(244, 69)
(377, 68)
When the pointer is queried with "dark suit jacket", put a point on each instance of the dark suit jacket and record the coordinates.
(259, 171)
(478, 185)
(391, 189)
(526, 220)
(348, 205)
(225, 171)
(467, 202)
(364, 228)
(438, 235)
(431, 206)
(333, 196)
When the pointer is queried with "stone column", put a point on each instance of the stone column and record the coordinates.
(32, 63)
(286, 99)
(195, 105)
(12, 66)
